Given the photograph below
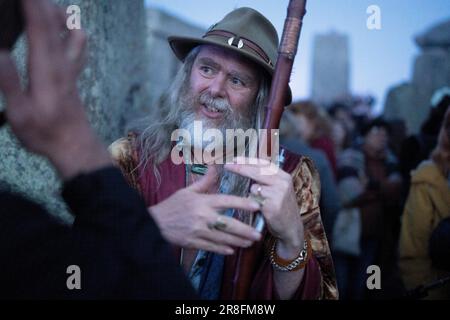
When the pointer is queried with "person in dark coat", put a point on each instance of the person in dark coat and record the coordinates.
(114, 249)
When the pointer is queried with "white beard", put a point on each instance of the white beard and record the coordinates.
(187, 117)
(197, 142)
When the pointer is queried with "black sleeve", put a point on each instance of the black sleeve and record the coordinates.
(114, 242)
(32, 250)
(117, 240)
(440, 245)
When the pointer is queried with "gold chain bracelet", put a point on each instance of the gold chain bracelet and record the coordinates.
(287, 265)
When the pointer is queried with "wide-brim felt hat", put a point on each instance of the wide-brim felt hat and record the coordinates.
(245, 31)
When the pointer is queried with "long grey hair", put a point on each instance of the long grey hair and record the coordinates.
(154, 132)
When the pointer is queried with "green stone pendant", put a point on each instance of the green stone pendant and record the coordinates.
(199, 169)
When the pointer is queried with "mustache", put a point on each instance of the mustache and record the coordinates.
(220, 104)
(231, 118)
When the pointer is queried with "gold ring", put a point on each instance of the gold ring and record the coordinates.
(219, 224)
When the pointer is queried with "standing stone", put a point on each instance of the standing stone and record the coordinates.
(114, 87)
(330, 68)
(163, 63)
(436, 36)
(411, 101)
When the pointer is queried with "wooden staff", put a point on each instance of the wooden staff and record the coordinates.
(246, 259)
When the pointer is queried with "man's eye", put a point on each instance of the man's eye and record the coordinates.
(206, 70)
(237, 82)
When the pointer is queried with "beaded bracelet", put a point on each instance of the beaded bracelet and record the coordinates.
(294, 265)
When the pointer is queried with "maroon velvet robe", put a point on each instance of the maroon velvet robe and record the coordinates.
(319, 279)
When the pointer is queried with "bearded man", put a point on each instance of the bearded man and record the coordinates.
(224, 84)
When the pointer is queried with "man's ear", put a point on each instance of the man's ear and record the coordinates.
(11, 22)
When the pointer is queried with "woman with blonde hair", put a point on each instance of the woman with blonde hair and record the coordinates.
(427, 205)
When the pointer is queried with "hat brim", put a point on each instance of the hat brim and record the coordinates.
(181, 46)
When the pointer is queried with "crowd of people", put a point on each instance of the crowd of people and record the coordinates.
(392, 193)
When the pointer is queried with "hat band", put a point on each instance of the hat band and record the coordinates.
(250, 44)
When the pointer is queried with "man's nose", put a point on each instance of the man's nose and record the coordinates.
(217, 86)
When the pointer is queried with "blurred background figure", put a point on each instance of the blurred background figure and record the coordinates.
(440, 246)
(418, 147)
(315, 127)
(347, 230)
(340, 136)
(351, 180)
(367, 227)
(382, 205)
(354, 112)
(329, 200)
(397, 134)
(428, 205)
(341, 112)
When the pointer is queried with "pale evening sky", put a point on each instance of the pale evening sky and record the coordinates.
(379, 58)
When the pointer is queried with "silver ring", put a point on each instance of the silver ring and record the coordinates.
(258, 191)
(258, 197)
